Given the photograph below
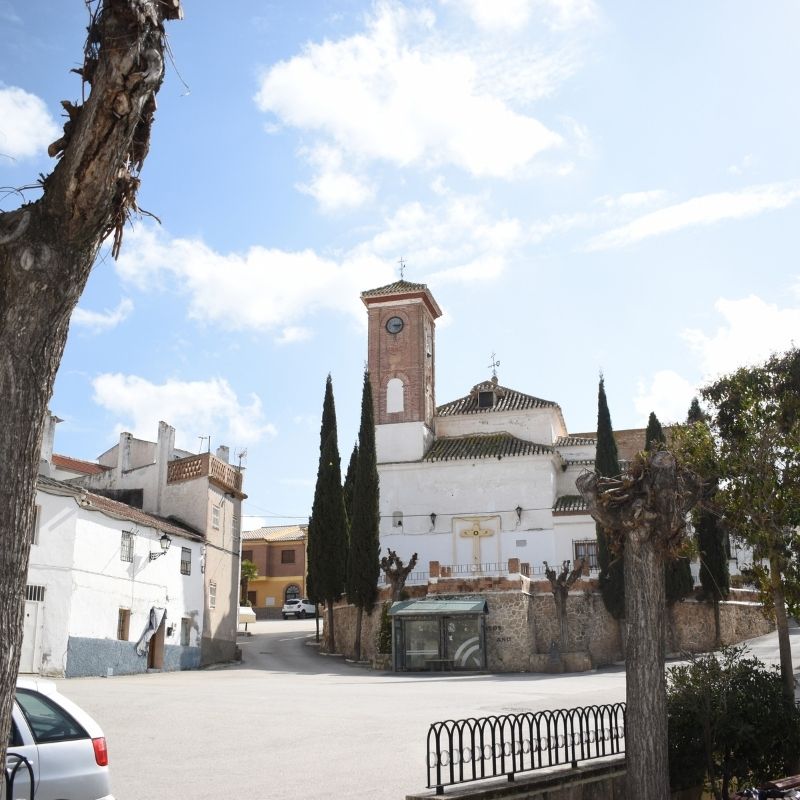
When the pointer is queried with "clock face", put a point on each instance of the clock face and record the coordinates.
(394, 325)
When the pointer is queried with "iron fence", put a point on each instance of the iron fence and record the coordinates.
(460, 751)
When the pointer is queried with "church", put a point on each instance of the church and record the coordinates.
(481, 480)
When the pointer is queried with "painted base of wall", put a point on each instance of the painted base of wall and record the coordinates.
(217, 651)
(94, 657)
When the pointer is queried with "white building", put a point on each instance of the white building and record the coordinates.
(201, 492)
(100, 578)
(480, 480)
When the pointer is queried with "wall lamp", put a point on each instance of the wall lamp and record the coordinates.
(518, 509)
(165, 542)
(433, 520)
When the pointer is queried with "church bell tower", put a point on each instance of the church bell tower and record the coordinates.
(401, 342)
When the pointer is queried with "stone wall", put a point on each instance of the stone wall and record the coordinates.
(522, 631)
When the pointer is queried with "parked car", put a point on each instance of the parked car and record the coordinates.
(64, 746)
(300, 607)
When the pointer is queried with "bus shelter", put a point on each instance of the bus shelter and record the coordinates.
(439, 635)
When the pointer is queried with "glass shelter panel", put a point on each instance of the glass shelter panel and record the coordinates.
(421, 642)
(463, 642)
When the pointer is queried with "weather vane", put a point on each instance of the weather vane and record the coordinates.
(402, 268)
(494, 365)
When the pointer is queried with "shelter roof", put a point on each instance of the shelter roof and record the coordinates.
(430, 607)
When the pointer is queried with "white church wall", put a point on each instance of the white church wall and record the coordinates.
(460, 493)
(540, 425)
(579, 452)
(402, 441)
(565, 482)
(570, 529)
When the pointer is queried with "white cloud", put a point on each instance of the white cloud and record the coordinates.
(634, 200)
(99, 321)
(193, 408)
(494, 15)
(669, 396)
(259, 289)
(332, 187)
(379, 96)
(705, 210)
(752, 330)
(26, 127)
(294, 334)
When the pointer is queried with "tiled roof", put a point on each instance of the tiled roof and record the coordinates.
(570, 504)
(572, 441)
(96, 502)
(488, 445)
(276, 533)
(123, 511)
(505, 400)
(579, 462)
(77, 465)
(398, 287)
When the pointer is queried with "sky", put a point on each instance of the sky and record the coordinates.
(585, 187)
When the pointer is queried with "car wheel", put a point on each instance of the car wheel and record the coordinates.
(286, 616)
(303, 614)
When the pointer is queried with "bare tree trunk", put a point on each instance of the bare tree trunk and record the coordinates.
(782, 624)
(646, 715)
(359, 619)
(47, 249)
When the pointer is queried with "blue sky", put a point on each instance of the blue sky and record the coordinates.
(583, 185)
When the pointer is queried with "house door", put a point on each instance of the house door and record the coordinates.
(155, 647)
(31, 654)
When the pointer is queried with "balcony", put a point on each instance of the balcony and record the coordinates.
(205, 465)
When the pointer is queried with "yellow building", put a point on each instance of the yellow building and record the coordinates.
(279, 553)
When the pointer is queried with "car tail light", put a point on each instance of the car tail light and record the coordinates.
(100, 751)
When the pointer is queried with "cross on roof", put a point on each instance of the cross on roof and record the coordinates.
(402, 264)
(494, 365)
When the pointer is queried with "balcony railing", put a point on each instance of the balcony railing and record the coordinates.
(205, 465)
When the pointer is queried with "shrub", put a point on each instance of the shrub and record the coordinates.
(729, 725)
(384, 638)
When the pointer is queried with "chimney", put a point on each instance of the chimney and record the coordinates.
(48, 437)
(164, 452)
(224, 453)
(124, 453)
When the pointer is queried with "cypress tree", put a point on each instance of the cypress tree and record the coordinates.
(363, 565)
(678, 581)
(612, 573)
(349, 482)
(654, 434)
(327, 539)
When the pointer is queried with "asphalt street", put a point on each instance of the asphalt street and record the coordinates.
(293, 724)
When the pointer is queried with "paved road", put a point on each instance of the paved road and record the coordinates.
(291, 724)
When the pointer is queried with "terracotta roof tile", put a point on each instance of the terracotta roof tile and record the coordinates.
(505, 400)
(489, 445)
(398, 287)
(570, 504)
(573, 441)
(276, 533)
(77, 465)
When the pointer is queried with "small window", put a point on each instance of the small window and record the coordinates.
(48, 722)
(37, 513)
(485, 399)
(397, 519)
(292, 593)
(287, 556)
(186, 561)
(123, 624)
(186, 630)
(212, 594)
(588, 550)
(216, 516)
(126, 547)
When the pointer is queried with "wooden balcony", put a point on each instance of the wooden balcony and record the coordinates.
(205, 465)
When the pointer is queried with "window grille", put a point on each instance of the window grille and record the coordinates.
(34, 593)
(586, 549)
(212, 594)
(186, 561)
(126, 547)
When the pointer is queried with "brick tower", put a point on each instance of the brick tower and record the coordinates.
(401, 344)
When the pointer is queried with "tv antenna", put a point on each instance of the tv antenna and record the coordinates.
(204, 439)
(240, 455)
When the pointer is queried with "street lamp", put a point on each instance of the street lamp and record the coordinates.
(165, 542)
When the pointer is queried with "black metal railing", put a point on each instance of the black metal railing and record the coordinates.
(14, 761)
(460, 751)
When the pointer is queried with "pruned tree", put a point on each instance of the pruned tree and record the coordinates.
(612, 571)
(646, 510)
(363, 566)
(560, 585)
(396, 572)
(327, 529)
(47, 249)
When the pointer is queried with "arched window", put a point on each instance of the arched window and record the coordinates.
(292, 592)
(394, 396)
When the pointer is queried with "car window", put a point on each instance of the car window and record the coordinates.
(14, 738)
(48, 721)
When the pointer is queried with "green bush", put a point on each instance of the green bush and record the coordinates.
(728, 724)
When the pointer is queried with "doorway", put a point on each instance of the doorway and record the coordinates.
(155, 647)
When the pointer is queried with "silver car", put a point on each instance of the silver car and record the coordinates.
(64, 746)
